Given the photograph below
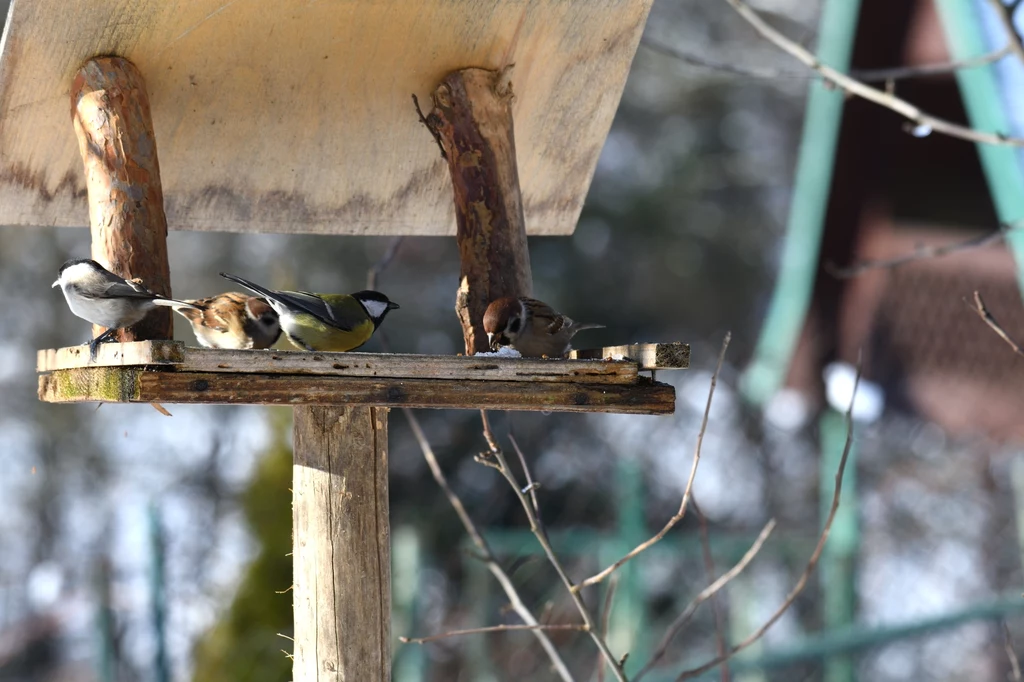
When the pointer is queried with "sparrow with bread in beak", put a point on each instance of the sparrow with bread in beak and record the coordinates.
(531, 327)
(234, 321)
(99, 296)
(324, 322)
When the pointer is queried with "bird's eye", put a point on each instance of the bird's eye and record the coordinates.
(513, 326)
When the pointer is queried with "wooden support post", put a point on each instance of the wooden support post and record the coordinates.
(342, 545)
(110, 110)
(472, 121)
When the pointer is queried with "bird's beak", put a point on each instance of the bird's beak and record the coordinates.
(392, 305)
(492, 342)
(55, 284)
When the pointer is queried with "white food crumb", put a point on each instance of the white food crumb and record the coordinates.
(503, 352)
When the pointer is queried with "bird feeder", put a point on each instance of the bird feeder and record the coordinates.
(297, 116)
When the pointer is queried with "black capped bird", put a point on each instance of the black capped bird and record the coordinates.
(99, 296)
(531, 327)
(325, 322)
(233, 320)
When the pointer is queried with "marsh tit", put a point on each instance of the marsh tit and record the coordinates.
(99, 296)
(234, 321)
(530, 326)
(325, 322)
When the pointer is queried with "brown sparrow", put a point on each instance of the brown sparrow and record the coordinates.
(531, 327)
(233, 320)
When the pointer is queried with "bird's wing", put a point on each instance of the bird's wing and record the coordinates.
(546, 317)
(299, 301)
(117, 287)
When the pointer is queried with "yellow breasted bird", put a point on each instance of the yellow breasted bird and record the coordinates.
(325, 322)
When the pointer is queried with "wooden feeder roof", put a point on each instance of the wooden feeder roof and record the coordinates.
(296, 116)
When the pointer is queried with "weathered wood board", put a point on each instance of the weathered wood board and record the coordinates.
(651, 356)
(388, 365)
(141, 385)
(296, 116)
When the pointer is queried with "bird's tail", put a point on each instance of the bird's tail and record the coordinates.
(266, 293)
(174, 304)
(578, 327)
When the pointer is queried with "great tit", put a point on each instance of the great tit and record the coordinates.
(325, 322)
(233, 320)
(530, 326)
(99, 296)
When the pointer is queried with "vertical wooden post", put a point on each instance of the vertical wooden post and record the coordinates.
(110, 110)
(341, 545)
(472, 120)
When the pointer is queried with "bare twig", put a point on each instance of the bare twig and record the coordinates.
(920, 253)
(646, 544)
(1011, 654)
(606, 617)
(577, 627)
(424, 121)
(501, 464)
(812, 563)
(389, 255)
(864, 75)
(486, 555)
(924, 123)
(986, 316)
(705, 594)
(1005, 14)
(716, 607)
(530, 485)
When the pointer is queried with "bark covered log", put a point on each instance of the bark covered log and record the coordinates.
(472, 121)
(110, 111)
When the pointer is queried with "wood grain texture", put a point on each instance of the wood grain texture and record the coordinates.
(472, 121)
(129, 384)
(295, 116)
(133, 354)
(111, 117)
(648, 355)
(341, 545)
(383, 365)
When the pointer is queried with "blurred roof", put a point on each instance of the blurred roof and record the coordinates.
(296, 116)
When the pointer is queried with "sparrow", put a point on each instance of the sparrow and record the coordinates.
(233, 320)
(99, 296)
(531, 327)
(324, 322)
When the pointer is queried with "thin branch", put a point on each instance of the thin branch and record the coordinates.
(1011, 654)
(986, 316)
(501, 464)
(486, 555)
(812, 563)
(576, 627)
(709, 569)
(646, 544)
(683, 618)
(920, 253)
(924, 123)
(530, 485)
(864, 75)
(380, 266)
(1005, 14)
(423, 119)
(606, 617)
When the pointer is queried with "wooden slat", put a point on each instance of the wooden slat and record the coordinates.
(342, 544)
(648, 355)
(112, 355)
(324, 87)
(129, 384)
(339, 364)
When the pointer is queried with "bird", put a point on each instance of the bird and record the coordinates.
(99, 296)
(233, 320)
(531, 327)
(324, 322)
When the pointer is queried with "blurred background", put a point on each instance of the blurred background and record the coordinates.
(141, 547)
